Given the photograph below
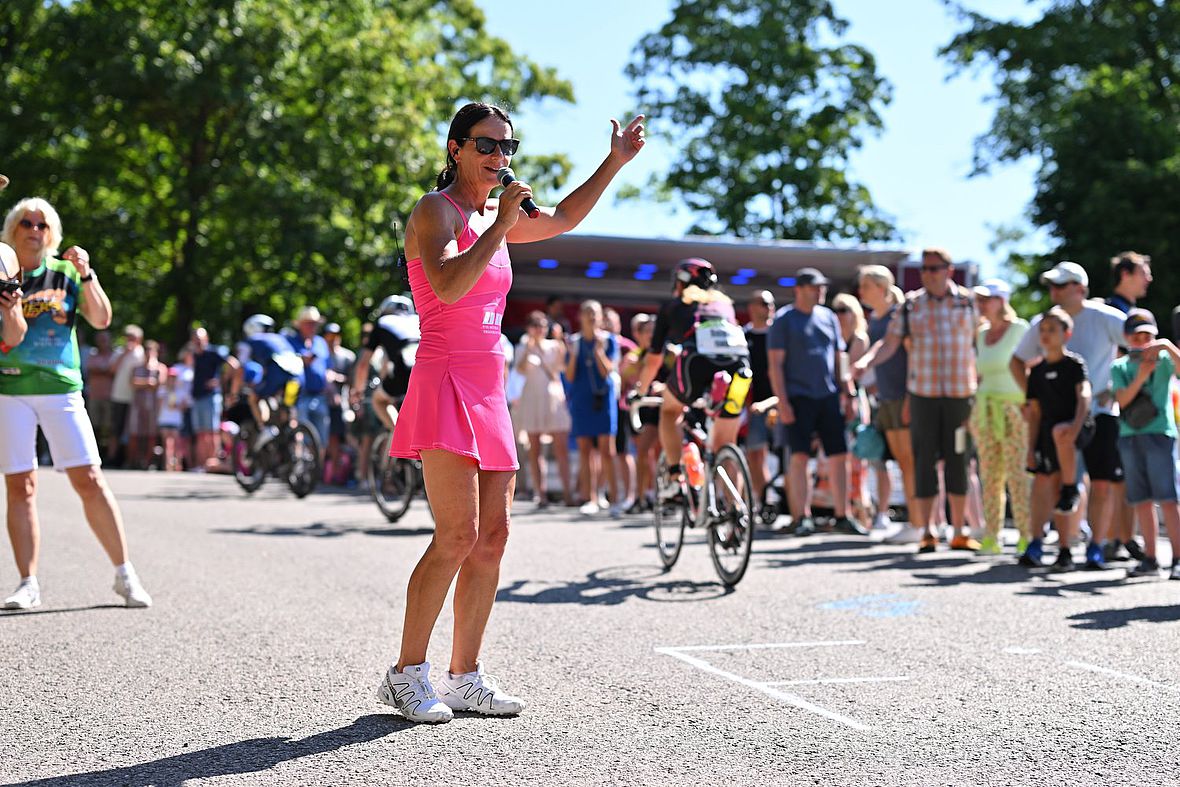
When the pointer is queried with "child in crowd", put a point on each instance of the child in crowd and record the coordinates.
(1058, 424)
(1147, 434)
(170, 417)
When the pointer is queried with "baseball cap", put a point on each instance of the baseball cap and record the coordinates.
(993, 288)
(764, 297)
(332, 327)
(1066, 273)
(810, 276)
(1140, 321)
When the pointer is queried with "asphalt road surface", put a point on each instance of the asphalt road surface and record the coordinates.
(836, 661)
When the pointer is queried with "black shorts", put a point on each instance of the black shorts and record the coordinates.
(336, 426)
(1103, 462)
(623, 431)
(820, 417)
(693, 374)
(1045, 457)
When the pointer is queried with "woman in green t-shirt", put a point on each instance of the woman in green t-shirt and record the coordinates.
(41, 386)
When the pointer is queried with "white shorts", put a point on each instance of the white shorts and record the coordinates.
(63, 419)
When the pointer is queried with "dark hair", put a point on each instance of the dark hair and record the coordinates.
(461, 124)
(1126, 263)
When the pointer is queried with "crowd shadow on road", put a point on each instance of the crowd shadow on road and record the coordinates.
(233, 759)
(1105, 619)
(609, 587)
(325, 530)
(20, 613)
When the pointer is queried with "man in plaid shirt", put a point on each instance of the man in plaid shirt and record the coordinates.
(938, 323)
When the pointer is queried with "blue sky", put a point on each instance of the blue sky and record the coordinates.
(917, 168)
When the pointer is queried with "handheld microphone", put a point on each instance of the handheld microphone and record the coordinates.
(528, 206)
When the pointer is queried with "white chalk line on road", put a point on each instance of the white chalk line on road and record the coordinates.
(782, 696)
(817, 681)
(756, 646)
(1123, 675)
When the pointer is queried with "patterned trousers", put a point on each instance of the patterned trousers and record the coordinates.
(1001, 439)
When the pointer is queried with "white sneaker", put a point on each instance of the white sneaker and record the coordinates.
(411, 693)
(906, 534)
(479, 692)
(589, 508)
(27, 595)
(882, 521)
(129, 587)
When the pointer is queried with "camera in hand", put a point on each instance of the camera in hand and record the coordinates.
(9, 285)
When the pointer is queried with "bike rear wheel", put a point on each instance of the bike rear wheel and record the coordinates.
(249, 470)
(670, 519)
(731, 531)
(392, 480)
(306, 467)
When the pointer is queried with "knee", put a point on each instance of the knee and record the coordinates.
(21, 486)
(491, 544)
(89, 484)
(456, 544)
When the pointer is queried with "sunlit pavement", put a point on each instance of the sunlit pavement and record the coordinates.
(836, 661)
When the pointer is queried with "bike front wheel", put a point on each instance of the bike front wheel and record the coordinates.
(392, 481)
(731, 528)
(249, 469)
(671, 517)
(306, 467)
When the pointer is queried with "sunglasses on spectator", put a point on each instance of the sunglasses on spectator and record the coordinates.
(486, 145)
(842, 310)
(29, 225)
(934, 268)
(1060, 285)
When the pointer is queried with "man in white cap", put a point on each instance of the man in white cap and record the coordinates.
(1097, 335)
(313, 396)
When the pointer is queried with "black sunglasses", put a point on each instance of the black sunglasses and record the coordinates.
(934, 268)
(40, 225)
(486, 145)
(842, 310)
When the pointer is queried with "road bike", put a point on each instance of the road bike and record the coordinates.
(393, 481)
(722, 502)
(291, 452)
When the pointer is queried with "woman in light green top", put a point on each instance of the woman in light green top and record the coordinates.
(996, 420)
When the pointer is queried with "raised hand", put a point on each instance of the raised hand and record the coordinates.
(79, 258)
(628, 141)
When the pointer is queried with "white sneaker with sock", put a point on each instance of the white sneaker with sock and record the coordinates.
(906, 534)
(27, 595)
(411, 693)
(128, 586)
(479, 692)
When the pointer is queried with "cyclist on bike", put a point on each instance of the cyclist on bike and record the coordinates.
(397, 333)
(269, 366)
(700, 328)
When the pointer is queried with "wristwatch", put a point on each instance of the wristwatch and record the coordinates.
(87, 277)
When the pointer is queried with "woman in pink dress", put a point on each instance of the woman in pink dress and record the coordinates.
(455, 417)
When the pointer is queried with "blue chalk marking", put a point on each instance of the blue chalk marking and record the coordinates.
(882, 605)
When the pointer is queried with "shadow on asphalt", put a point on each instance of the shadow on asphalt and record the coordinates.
(1104, 619)
(325, 530)
(250, 756)
(19, 613)
(611, 586)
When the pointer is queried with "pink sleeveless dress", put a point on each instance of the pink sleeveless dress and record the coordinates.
(455, 400)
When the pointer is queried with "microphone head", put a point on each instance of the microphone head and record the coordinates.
(506, 175)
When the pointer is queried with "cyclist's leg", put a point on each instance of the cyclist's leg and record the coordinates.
(384, 409)
(258, 408)
(671, 417)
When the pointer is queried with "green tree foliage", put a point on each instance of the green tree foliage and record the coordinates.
(764, 116)
(223, 157)
(1093, 90)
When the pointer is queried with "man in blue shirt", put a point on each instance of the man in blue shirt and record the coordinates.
(313, 397)
(808, 373)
